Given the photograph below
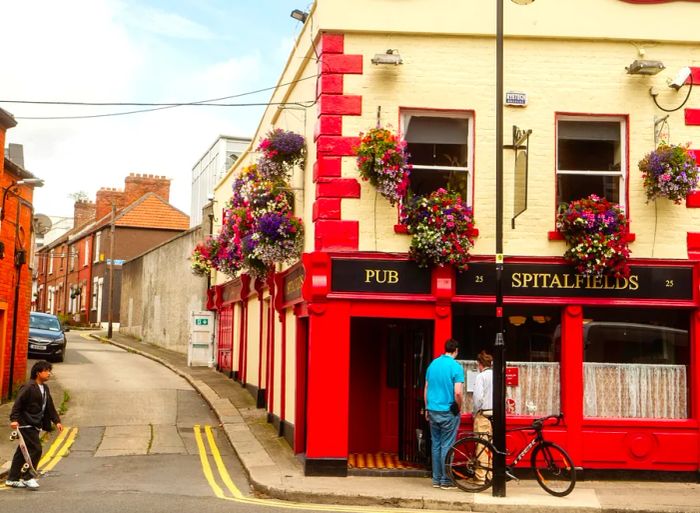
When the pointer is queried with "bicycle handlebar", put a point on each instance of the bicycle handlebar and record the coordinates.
(538, 424)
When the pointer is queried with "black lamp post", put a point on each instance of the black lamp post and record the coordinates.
(499, 358)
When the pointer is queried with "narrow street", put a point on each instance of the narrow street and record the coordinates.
(137, 438)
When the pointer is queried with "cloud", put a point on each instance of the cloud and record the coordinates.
(165, 23)
(91, 50)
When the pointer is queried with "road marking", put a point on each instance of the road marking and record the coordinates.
(52, 449)
(271, 503)
(206, 468)
(220, 465)
(62, 452)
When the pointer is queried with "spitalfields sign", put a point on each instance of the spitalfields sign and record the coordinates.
(538, 280)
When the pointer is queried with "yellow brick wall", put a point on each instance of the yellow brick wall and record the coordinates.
(561, 76)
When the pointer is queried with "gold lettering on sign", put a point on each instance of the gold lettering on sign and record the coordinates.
(568, 281)
(293, 285)
(389, 276)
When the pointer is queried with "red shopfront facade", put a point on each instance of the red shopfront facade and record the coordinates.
(620, 358)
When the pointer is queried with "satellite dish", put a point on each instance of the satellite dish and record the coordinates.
(42, 224)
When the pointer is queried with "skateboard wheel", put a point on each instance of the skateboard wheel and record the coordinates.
(14, 435)
(25, 467)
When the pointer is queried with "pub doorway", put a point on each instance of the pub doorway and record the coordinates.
(388, 359)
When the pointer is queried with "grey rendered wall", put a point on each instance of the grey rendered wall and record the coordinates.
(159, 292)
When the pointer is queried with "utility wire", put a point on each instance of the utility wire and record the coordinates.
(162, 106)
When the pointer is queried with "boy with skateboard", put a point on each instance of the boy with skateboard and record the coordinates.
(32, 411)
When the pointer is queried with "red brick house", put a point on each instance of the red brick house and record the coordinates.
(16, 241)
(73, 277)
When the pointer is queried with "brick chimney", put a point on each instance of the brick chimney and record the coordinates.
(83, 213)
(104, 198)
(136, 185)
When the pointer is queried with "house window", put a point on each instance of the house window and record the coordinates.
(73, 257)
(86, 252)
(93, 306)
(440, 149)
(591, 158)
(98, 236)
(51, 262)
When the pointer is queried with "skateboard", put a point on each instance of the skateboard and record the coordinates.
(28, 466)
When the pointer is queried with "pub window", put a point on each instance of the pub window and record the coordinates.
(590, 158)
(440, 149)
(533, 353)
(636, 363)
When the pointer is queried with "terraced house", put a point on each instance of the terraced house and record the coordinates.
(74, 270)
(596, 96)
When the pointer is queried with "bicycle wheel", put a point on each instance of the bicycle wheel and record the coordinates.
(554, 469)
(469, 463)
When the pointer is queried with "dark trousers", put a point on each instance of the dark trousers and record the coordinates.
(31, 438)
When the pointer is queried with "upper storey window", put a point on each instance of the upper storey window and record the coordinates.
(440, 149)
(591, 158)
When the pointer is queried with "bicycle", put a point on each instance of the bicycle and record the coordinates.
(470, 459)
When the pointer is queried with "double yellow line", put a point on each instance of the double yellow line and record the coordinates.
(58, 449)
(233, 494)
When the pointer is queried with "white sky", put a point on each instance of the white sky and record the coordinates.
(134, 51)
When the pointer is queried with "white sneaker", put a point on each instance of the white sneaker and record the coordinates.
(15, 484)
(30, 483)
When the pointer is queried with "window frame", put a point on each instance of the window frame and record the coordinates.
(622, 174)
(86, 252)
(405, 114)
(96, 256)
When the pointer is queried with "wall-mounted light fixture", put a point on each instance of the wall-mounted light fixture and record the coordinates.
(645, 67)
(299, 15)
(390, 57)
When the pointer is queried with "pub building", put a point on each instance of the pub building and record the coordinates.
(335, 346)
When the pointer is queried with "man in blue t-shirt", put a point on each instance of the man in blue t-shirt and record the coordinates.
(444, 382)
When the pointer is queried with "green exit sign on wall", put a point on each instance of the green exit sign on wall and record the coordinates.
(201, 322)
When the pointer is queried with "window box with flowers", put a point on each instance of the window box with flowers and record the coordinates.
(670, 171)
(596, 232)
(443, 229)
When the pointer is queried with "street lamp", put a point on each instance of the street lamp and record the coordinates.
(19, 260)
(499, 359)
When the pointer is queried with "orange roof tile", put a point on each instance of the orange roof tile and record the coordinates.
(153, 212)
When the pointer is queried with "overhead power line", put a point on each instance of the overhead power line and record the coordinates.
(160, 106)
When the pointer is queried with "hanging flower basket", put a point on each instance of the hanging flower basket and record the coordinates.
(442, 227)
(596, 232)
(202, 256)
(382, 160)
(670, 171)
(281, 151)
(258, 228)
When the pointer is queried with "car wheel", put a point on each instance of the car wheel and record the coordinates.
(61, 356)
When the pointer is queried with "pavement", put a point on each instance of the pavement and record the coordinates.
(275, 472)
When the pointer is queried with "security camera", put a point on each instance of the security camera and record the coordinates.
(680, 79)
